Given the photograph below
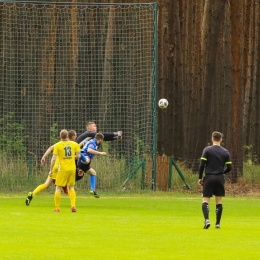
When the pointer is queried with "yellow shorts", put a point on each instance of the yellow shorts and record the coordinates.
(64, 178)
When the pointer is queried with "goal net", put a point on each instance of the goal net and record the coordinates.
(64, 64)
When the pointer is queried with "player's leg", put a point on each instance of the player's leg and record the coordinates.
(82, 166)
(57, 198)
(207, 194)
(84, 158)
(43, 186)
(40, 188)
(219, 209)
(205, 211)
(92, 181)
(219, 192)
(72, 192)
(54, 174)
(81, 170)
(61, 181)
(79, 174)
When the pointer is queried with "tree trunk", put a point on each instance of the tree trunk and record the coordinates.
(237, 81)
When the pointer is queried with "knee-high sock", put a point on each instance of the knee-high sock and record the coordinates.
(57, 198)
(72, 195)
(92, 180)
(205, 210)
(39, 189)
(219, 209)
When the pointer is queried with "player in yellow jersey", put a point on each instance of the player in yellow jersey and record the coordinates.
(67, 151)
(72, 135)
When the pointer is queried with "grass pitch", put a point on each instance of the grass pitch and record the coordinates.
(150, 226)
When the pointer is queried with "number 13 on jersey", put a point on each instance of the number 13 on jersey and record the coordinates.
(67, 151)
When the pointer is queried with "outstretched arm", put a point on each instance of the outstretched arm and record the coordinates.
(113, 136)
(90, 150)
(107, 136)
(48, 151)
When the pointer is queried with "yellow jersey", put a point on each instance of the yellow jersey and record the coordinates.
(66, 151)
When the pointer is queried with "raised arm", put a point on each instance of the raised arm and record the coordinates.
(107, 136)
(113, 136)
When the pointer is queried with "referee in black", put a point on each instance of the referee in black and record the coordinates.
(216, 161)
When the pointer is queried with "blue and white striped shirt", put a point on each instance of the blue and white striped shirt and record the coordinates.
(90, 144)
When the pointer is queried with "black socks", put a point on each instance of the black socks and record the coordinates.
(205, 210)
(219, 209)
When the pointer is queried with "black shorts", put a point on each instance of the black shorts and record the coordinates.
(84, 167)
(79, 177)
(213, 185)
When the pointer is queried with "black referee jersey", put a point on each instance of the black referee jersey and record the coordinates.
(216, 160)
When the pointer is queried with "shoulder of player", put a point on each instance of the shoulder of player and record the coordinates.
(92, 143)
(214, 146)
(93, 140)
(224, 149)
(207, 148)
(57, 144)
(220, 149)
(66, 143)
(211, 148)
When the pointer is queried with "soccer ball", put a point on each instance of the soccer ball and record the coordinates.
(163, 103)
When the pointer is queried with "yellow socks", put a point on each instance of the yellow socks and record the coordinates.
(72, 195)
(39, 189)
(57, 198)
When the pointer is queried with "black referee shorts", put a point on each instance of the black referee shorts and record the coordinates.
(213, 185)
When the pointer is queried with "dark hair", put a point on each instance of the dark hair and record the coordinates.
(71, 133)
(217, 136)
(99, 136)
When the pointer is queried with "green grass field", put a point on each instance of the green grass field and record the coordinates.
(149, 226)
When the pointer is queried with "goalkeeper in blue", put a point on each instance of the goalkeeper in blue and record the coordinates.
(89, 150)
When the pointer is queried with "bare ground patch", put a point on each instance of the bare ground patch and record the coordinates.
(242, 188)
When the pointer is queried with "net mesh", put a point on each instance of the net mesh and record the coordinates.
(65, 64)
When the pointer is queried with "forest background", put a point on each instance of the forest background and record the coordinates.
(208, 63)
(209, 70)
